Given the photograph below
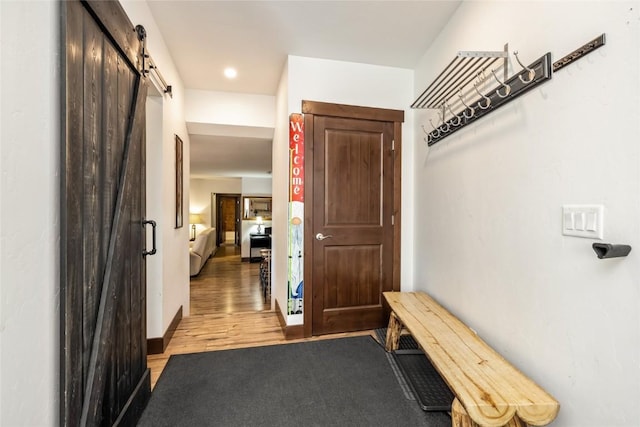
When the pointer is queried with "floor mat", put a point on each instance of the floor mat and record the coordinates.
(332, 382)
(426, 384)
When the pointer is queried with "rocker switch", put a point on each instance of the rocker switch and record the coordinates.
(579, 220)
(583, 221)
(591, 222)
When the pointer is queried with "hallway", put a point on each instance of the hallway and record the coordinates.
(227, 285)
(226, 312)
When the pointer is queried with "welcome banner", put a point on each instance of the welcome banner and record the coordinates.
(296, 214)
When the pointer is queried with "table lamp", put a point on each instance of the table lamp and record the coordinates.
(193, 220)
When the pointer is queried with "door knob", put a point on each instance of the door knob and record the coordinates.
(321, 236)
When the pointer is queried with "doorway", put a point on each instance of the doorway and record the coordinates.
(227, 219)
(352, 248)
(225, 284)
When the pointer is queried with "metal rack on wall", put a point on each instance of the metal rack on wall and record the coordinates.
(462, 70)
(470, 87)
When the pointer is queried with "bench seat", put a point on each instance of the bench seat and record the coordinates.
(491, 390)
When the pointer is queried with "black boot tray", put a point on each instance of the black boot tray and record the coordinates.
(430, 390)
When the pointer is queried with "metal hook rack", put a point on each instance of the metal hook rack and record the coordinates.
(495, 99)
(460, 72)
(456, 88)
(461, 78)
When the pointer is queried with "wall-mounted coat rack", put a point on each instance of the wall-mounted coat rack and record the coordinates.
(462, 87)
(460, 93)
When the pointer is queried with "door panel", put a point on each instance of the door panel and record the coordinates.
(104, 376)
(352, 206)
(353, 174)
(348, 287)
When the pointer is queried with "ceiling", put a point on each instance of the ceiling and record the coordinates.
(255, 37)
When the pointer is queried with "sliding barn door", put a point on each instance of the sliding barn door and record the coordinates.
(104, 376)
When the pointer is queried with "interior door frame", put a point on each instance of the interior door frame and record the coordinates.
(218, 216)
(315, 108)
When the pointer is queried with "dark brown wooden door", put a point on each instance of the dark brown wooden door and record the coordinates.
(104, 377)
(352, 225)
(228, 218)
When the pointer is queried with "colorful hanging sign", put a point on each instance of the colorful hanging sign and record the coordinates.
(296, 214)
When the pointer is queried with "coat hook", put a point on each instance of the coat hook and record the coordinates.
(507, 88)
(437, 130)
(458, 118)
(488, 100)
(464, 113)
(442, 117)
(530, 71)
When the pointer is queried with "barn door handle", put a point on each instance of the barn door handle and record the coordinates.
(153, 237)
(321, 236)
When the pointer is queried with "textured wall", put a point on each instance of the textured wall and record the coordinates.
(29, 214)
(489, 205)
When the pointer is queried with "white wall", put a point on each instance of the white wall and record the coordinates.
(200, 198)
(174, 242)
(280, 196)
(154, 200)
(256, 186)
(29, 214)
(352, 84)
(235, 109)
(488, 200)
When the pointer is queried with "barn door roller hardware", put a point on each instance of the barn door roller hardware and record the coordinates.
(470, 87)
(148, 66)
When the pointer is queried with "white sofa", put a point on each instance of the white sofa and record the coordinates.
(201, 249)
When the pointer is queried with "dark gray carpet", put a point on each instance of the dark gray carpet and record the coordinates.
(345, 382)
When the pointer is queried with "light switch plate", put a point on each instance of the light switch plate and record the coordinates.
(583, 221)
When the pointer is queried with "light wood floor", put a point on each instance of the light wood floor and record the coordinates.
(227, 311)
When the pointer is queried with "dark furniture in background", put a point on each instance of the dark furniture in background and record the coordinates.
(258, 241)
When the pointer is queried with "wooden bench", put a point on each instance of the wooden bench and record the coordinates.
(489, 390)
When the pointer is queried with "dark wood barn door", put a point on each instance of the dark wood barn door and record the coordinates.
(353, 216)
(104, 376)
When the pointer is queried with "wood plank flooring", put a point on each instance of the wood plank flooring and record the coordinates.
(227, 285)
(227, 311)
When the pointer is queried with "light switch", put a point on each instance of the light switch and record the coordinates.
(583, 221)
(578, 217)
(591, 223)
(568, 221)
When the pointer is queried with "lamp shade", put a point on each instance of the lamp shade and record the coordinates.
(259, 220)
(195, 218)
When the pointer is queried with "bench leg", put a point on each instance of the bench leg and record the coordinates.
(393, 333)
(460, 418)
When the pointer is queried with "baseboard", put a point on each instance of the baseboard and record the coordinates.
(294, 332)
(283, 323)
(159, 345)
(245, 259)
(290, 332)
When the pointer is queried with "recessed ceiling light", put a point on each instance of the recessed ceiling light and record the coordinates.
(230, 73)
